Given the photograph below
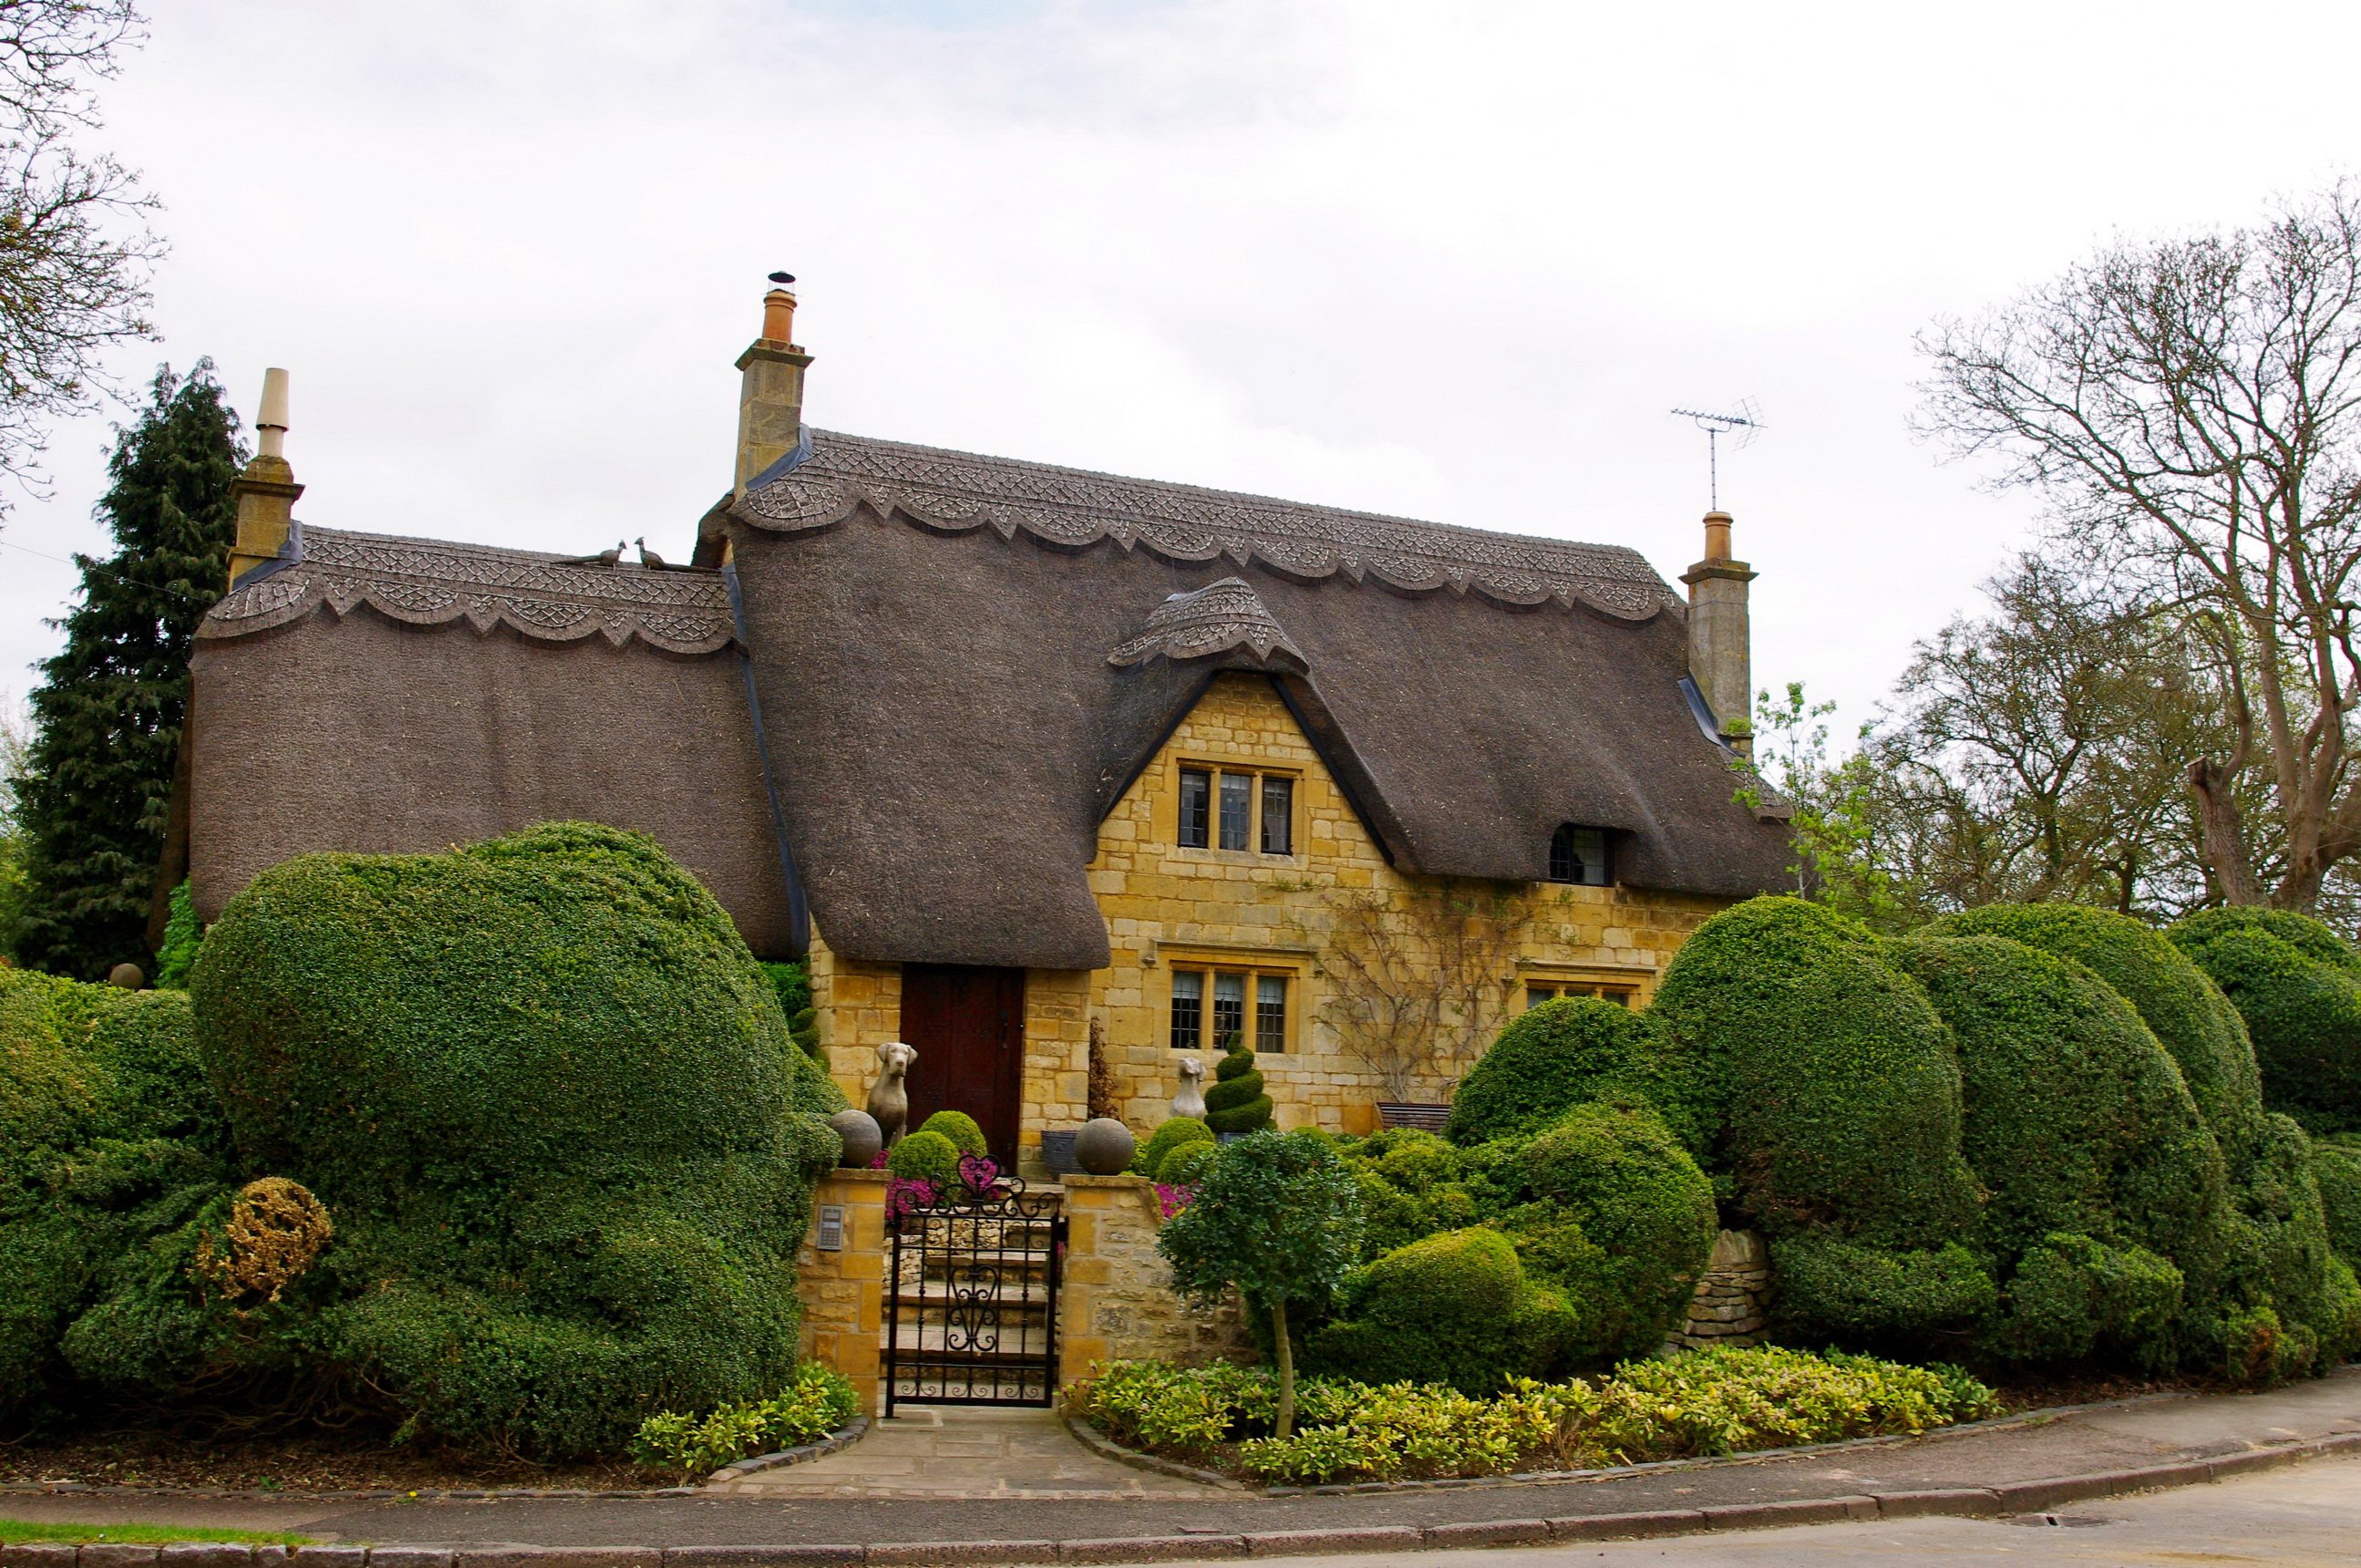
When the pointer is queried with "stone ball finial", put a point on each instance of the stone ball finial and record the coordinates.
(128, 976)
(1104, 1146)
(861, 1137)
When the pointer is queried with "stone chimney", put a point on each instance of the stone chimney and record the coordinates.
(1718, 634)
(266, 491)
(771, 387)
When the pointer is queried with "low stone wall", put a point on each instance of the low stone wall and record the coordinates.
(1115, 1300)
(1731, 1299)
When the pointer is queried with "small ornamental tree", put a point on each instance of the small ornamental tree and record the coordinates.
(1279, 1216)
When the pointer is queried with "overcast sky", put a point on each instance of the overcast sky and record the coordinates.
(1454, 261)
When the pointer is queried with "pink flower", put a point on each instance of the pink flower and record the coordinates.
(979, 1172)
(1172, 1199)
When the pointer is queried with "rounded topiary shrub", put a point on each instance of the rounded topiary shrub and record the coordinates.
(551, 1102)
(1171, 1136)
(2336, 1168)
(2077, 1122)
(2298, 985)
(959, 1127)
(2191, 1017)
(924, 1156)
(1236, 1104)
(2073, 1299)
(108, 1141)
(1412, 1185)
(1187, 1164)
(1615, 1214)
(1455, 1309)
(1549, 1058)
(1907, 1300)
(1794, 1059)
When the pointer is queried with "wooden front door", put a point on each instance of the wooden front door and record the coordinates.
(968, 1027)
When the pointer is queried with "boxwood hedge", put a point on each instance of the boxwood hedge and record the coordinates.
(2078, 1124)
(1791, 1056)
(1456, 1308)
(1549, 1058)
(2298, 985)
(552, 1105)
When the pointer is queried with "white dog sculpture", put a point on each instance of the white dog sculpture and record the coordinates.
(889, 1102)
(1190, 1101)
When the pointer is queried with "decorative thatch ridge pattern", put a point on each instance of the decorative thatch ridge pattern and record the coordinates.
(824, 482)
(428, 582)
(1213, 619)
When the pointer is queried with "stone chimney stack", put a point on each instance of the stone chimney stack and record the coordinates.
(266, 491)
(770, 387)
(1718, 634)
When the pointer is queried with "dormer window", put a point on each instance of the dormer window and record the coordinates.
(1243, 810)
(1578, 855)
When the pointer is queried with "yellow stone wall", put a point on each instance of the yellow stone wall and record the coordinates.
(1293, 914)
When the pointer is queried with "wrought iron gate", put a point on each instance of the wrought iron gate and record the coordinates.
(972, 1292)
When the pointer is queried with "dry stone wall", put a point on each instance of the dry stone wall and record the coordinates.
(1732, 1299)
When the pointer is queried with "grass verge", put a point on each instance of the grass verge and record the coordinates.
(14, 1530)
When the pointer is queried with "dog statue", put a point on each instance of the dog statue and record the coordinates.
(889, 1101)
(1190, 1101)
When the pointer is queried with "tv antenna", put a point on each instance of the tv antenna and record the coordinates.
(1744, 426)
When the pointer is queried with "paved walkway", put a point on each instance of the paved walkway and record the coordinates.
(2152, 1432)
(949, 1452)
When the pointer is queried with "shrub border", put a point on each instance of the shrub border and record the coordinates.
(2017, 1498)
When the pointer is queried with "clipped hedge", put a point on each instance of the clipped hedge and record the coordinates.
(2074, 1298)
(1174, 1132)
(960, 1128)
(1836, 1291)
(1237, 1104)
(1453, 1309)
(2077, 1122)
(108, 1145)
(552, 1105)
(1548, 1059)
(1413, 1186)
(1615, 1213)
(2336, 1168)
(2298, 986)
(1790, 1055)
(2191, 1017)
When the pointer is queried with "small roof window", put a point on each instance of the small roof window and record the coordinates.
(1578, 855)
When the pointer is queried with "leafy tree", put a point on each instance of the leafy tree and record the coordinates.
(2190, 411)
(97, 781)
(1833, 826)
(1277, 1216)
(74, 248)
(14, 736)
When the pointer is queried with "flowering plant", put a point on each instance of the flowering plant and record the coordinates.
(979, 1173)
(1172, 1199)
(906, 1195)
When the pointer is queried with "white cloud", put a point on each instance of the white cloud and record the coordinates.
(1447, 260)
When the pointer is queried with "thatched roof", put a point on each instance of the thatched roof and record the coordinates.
(966, 660)
(385, 695)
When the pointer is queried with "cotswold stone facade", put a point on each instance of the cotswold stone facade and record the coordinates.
(1299, 918)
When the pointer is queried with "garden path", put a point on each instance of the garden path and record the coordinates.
(945, 1451)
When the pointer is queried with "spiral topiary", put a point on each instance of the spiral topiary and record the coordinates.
(1237, 1103)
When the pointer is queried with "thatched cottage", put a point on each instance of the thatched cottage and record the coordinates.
(1032, 764)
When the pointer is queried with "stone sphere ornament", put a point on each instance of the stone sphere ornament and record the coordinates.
(128, 976)
(861, 1137)
(1104, 1146)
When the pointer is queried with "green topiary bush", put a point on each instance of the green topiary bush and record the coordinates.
(1413, 1186)
(2336, 1168)
(2077, 1122)
(2072, 1298)
(924, 1156)
(1792, 1057)
(551, 1103)
(1548, 1059)
(109, 1144)
(1237, 1103)
(960, 1128)
(2298, 986)
(1171, 1134)
(1610, 1209)
(2191, 1019)
(1187, 1164)
(1833, 1290)
(1455, 1309)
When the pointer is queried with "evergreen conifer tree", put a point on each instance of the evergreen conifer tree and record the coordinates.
(97, 781)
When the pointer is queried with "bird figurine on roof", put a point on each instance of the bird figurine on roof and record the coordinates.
(604, 557)
(648, 557)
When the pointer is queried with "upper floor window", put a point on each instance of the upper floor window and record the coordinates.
(1237, 808)
(1578, 855)
(1540, 990)
(1212, 1005)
